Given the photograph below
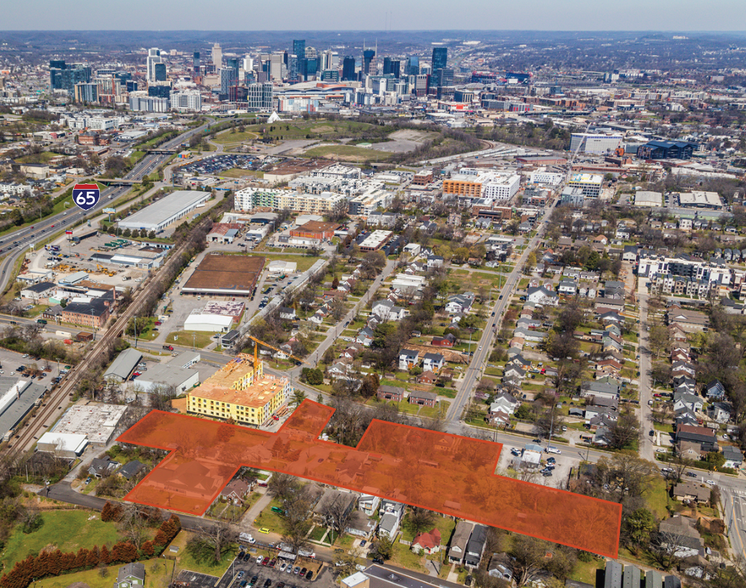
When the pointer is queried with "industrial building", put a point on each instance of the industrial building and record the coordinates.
(165, 211)
(167, 375)
(375, 240)
(17, 398)
(98, 422)
(315, 231)
(123, 366)
(240, 391)
(700, 199)
(68, 445)
(595, 143)
(225, 275)
(648, 199)
(199, 320)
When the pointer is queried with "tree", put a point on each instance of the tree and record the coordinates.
(296, 521)
(659, 339)
(420, 520)
(638, 527)
(383, 547)
(625, 430)
(370, 386)
(211, 544)
(529, 557)
(299, 396)
(315, 377)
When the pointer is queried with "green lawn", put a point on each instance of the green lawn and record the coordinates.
(241, 173)
(347, 153)
(657, 497)
(229, 138)
(586, 571)
(56, 531)
(184, 561)
(304, 261)
(270, 520)
(157, 575)
(200, 339)
(43, 157)
(445, 525)
(406, 558)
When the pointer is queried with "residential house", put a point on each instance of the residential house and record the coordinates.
(360, 525)
(514, 372)
(715, 391)
(433, 362)
(427, 542)
(131, 469)
(390, 393)
(505, 402)
(386, 310)
(131, 575)
(368, 504)
(389, 525)
(423, 398)
(447, 341)
(459, 541)
(689, 321)
(475, 546)
(691, 492)
(434, 261)
(408, 358)
(543, 296)
(567, 287)
(335, 501)
(687, 400)
(689, 450)
(680, 533)
(630, 251)
(733, 457)
(235, 491)
(102, 467)
(365, 336)
(459, 303)
(703, 436)
(427, 378)
(720, 411)
(287, 313)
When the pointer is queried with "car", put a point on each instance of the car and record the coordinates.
(243, 584)
(691, 474)
(158, 323)
(710, 482)
(296, 570)
(267, 583)
(52, 226)
(493, 313)
(254, 580)
(260, 560)
(283, 565)
(515, 451)
(551, 460)
(546, 473)
(377, 560)
(281, 585)
(303, 571)
(240, 575)
(309, 575)
(273, 563)
(289, 569)
(501, 297)
(264, 530)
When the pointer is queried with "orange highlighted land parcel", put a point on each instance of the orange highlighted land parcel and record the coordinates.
(446, 473)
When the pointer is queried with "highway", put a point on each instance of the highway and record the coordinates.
(484, 347)
(14, 245)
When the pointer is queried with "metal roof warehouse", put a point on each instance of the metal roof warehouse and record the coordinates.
(167, 210)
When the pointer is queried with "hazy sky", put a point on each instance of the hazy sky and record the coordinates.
(238, 15)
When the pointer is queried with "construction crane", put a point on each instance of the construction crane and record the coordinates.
(258, 342)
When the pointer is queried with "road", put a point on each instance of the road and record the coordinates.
(484, 347)
(647, 447)
(15, 244)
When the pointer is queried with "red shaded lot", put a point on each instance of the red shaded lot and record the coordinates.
(446, 473)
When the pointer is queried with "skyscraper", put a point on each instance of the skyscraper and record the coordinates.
(299, 48)
(413, 66)
(275, 66)
(217, 56)
(368, 55)
(195, 62)
(228, 78)
(160, 72)
(391, 66)
(64, 77)
(154, 57)
(233, 63)
(348, 69)
(440, 58)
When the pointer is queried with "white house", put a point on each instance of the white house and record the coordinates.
(408, 358)
(542, 296)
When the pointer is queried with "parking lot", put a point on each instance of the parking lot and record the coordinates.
(554, 470)
(219, 163)
(252, 570)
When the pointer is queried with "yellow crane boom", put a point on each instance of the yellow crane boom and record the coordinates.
(258, 342)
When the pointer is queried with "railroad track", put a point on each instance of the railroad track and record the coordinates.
(56, 399)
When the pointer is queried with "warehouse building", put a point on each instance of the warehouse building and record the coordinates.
(375, 240)
(165, 211)
(225, 275)
(648, 199)
(700, 199)
(199, 320)
(98, 422)
(62, 444)
(596, 143)
(17, 398)
(167, 375)
(123, 366)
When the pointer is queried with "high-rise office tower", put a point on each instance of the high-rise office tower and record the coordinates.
(299, 48)
(327, 60)
(368, 55)
(413, 66)
(445, 77)
(391, 66)
(154, 57)
(275, 66)
(160, 72)
(348, 69)
(228, 78)
(233, 63)
(195, 62)
(64, 77)
(86, 92)
(217, 56)
(248, 64)
(440, 58)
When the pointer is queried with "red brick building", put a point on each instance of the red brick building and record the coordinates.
(315, 230)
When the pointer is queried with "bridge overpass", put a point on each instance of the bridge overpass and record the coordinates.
(117, 182)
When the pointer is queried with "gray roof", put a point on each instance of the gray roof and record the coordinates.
(124, 364)
(164, 209)
(30, 393)
(131, 570)
(167, 375)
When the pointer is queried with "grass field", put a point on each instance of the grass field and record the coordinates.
(227, 138)
(270, 520)
(56, 531)
(184, 561)
(42, 157)
(199, 339)
(347, 153)
(157, 575)
(241, 173)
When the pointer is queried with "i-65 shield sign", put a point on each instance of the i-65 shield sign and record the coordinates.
(86, 195)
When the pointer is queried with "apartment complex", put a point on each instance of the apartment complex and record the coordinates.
(590, 184)
(250, 199)
(472, 183)
(240, 391)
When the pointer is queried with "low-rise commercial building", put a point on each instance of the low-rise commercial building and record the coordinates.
(165, 211)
